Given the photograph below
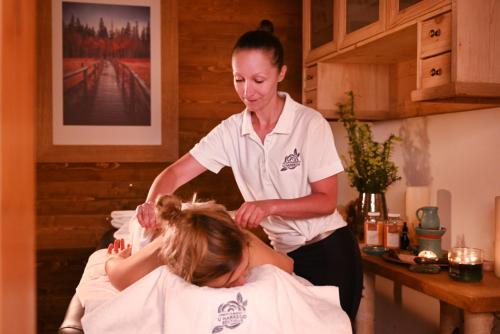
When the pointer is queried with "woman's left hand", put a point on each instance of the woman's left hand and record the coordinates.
(118, 249)
(251, 214)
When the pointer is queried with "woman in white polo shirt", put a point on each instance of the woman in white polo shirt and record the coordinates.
(284, 160)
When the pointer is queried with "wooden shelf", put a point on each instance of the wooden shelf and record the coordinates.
(487, 93)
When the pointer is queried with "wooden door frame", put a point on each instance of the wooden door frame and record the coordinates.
(17, 165)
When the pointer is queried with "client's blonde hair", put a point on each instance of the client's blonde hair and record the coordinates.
(201, 242)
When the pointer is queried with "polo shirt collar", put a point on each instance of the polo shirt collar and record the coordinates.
(285, 122)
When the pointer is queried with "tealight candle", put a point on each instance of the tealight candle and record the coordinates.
(466, 264)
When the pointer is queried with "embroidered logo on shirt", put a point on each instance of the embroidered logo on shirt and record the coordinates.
(291, 161)
(231, 314)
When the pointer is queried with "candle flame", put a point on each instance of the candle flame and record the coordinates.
(427, 254)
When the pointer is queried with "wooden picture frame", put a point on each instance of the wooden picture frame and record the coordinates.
(164, 149)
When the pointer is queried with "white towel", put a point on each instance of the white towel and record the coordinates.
(120, 217)
(271, 302)
(94, 287)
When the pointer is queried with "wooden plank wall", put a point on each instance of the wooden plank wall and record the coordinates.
(75, 199)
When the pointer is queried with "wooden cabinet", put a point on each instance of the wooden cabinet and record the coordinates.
(319, 28)
(411, 58)
(401, 11)
(461, 62)
(360, 19)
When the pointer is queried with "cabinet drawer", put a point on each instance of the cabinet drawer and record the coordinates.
(311, 78)
(311, 99)
(436, 70)
(436, 35)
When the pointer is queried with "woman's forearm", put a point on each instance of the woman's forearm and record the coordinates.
(123, 272)
(310, 206)
(174, 176)
(322, 201)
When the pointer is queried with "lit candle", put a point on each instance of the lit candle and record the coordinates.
(466, 264)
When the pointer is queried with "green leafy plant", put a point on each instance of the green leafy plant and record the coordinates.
(368, 166)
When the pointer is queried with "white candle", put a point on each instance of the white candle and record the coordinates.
(497, 236)
(416, 197)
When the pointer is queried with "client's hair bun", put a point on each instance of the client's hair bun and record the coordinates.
(168, 207)
(266, 25)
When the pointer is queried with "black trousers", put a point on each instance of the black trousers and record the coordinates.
(335, 260)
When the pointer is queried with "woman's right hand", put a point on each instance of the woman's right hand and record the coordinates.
(118, 249)
(146, 215)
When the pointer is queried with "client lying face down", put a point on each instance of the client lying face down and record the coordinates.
(201, 244)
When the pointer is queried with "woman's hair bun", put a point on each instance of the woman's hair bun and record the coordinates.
(266, 25)
(168, 207)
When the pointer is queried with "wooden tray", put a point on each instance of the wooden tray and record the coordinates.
(405, 259)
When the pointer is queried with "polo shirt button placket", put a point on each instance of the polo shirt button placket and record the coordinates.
(267, 176)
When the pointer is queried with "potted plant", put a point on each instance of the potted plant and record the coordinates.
(368, 164)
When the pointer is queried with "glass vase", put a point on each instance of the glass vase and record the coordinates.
(368, 202)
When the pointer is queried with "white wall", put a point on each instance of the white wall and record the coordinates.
(458, 156)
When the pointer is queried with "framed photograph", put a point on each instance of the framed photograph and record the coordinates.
(113, 89)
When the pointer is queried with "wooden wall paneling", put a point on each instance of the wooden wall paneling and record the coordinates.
(206, 89)
(75, 200)
(70, 231)
(167, 151)
(17, 179)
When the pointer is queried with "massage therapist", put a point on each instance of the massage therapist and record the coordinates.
(285, 163)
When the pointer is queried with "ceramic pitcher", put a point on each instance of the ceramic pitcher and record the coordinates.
(428, 217)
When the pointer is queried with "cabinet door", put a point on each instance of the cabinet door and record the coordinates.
(319, 28)
(401, 11)
(360, 19)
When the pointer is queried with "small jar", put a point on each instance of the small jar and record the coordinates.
(391, 231)
(373, 229)
(466, 264)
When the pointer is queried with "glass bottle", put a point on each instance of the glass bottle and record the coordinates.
(373, 229)
(405, 240)
(391, 231)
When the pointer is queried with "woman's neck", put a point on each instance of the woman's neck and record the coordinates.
(265, 120)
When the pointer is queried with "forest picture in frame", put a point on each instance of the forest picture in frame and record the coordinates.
(113, 91)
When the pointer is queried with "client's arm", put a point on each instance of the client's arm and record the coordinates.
(260, 253)
(124, 269)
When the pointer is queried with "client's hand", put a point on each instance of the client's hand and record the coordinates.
(118, 249)
(146, 215)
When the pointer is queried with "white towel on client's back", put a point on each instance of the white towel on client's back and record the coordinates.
(271, 302)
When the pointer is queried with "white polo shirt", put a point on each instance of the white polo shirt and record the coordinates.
(298, 151)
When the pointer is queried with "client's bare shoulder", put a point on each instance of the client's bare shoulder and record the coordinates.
(260, 254)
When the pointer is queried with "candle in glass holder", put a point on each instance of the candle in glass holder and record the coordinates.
(466, 264)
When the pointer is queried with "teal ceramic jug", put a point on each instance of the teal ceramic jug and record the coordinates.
(428, 217)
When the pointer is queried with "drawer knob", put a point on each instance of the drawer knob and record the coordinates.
(436, 71)
(435, 32)
(309, 77)
(309, 101)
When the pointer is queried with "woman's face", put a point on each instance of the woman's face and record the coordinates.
(237, 277)
(256, 78)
